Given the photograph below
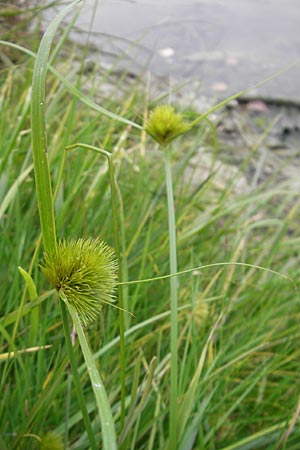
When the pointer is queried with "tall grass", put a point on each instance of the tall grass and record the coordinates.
(238, 332)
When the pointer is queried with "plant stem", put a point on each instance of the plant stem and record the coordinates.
(107, 424)
(76, 379)
(174, 304)
(120, 293)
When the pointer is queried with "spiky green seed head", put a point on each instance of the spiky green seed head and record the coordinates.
(164, 124)
(52, 441)
(200, 312)
(84, 273)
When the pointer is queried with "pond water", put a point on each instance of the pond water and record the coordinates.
(220, 47)
(223, 45)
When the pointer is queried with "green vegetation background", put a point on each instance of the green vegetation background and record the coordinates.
(238, 372)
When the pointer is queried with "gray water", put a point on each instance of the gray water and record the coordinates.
(223, 45)
(220, 47)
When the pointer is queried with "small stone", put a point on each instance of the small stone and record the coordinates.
(219, 86)
(258, 106)
(166, 52)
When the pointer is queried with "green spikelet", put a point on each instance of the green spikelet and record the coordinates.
(51, 441)
(164, 124)
(84, 272)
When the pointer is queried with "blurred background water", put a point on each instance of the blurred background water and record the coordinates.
(223, 45)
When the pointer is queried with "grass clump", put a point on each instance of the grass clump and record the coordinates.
(238, 326)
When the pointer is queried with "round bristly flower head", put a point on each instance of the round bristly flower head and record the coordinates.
(164, 124)
(52, 441)
(84, 272)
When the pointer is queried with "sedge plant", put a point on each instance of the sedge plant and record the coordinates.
(83, 271)
(227, 357)
(164, 125)
(120, 307)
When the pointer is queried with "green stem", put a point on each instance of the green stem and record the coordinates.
(120, 293)
(174, 304)
(107, 424)
(68, 404)
(119, 259)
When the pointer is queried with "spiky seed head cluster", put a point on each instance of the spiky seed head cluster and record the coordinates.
(84, 272)
(164, 124)
(52, 441)
(200, 312)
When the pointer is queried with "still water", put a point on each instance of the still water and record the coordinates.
(224, 45)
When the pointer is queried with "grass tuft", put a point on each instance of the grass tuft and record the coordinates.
(237, 337)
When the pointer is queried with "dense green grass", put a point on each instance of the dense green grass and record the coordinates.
(238, 344)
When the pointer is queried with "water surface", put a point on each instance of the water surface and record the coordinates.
(223, 45)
